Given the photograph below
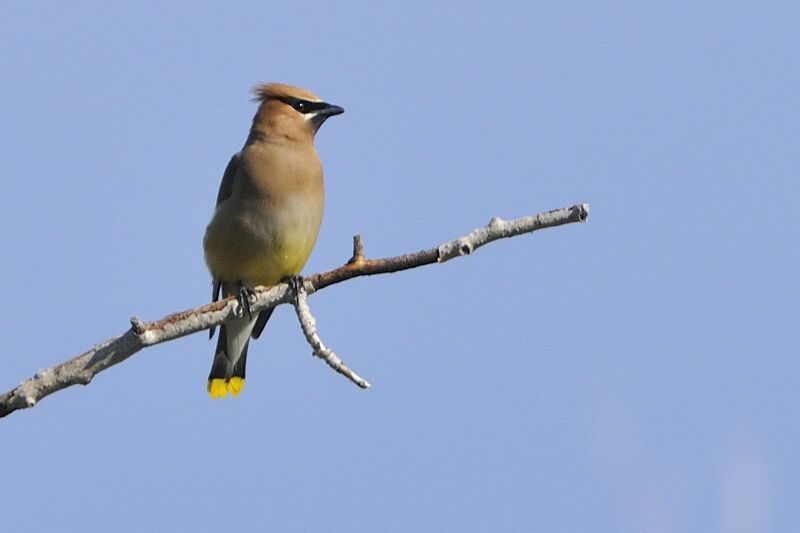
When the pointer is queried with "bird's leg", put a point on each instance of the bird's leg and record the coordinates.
(243, 296)
(295, 282)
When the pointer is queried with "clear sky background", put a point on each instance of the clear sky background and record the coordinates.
(636, 373)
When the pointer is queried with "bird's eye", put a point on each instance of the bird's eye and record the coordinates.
(300, 106)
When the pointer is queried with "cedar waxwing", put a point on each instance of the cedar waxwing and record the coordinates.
(268, 213)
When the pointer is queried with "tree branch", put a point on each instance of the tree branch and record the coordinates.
(82, 369)
(309, 326)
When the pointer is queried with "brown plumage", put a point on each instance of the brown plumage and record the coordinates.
(267, 217)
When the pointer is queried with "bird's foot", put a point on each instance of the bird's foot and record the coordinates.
(244, 297)
(296, 282)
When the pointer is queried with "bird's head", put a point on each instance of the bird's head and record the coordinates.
(290, 112)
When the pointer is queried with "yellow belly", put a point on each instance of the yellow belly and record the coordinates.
(273, 265)
(260, 251)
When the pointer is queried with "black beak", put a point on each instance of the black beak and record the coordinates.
(322, 115)
(330, 110)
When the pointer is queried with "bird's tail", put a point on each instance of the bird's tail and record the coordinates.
(230, 358)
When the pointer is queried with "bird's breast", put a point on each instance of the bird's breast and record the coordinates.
(262, 242)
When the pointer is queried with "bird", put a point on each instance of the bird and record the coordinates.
(266, 219)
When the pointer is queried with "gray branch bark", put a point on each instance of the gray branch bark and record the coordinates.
(82, 369)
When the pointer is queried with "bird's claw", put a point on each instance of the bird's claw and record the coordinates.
(244, 297)
(296, 282)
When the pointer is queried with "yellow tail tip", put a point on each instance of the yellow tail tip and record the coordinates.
(217, 388)
(235, 386)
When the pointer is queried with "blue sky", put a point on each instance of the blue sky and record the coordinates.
(637, 373)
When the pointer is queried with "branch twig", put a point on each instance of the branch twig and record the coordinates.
(81, 369)
(309, 326)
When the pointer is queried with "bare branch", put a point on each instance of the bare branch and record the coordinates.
(496, 229)
(309, 326)
(81, 369)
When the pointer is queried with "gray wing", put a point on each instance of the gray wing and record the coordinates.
(225, 191)
(226, 187)
(261, 321)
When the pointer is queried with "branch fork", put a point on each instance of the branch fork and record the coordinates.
(81, 369)
(309, 326)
